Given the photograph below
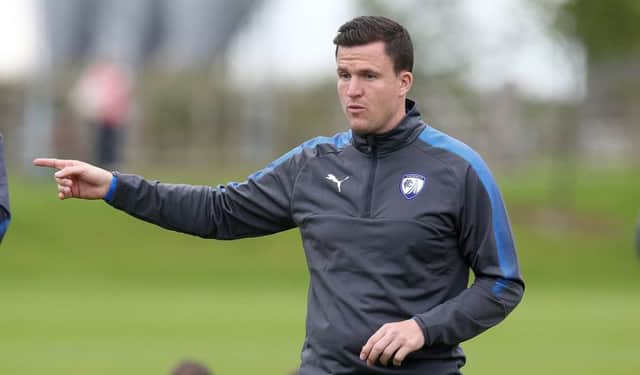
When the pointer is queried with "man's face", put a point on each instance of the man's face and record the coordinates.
(371, 93)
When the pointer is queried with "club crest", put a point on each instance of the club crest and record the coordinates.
(411, 185)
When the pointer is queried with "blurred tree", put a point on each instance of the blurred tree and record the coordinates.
(608, 32)
(606, 29)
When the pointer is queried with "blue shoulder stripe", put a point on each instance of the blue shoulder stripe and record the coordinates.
(339, 140)
(502, 232)
(4, 225)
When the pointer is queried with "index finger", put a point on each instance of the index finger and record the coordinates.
(50, 163)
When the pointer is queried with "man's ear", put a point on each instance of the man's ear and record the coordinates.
(406, 81)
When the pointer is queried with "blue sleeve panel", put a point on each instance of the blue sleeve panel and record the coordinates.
(5, 216)
(487, 245)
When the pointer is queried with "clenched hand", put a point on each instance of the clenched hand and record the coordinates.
(393, 340)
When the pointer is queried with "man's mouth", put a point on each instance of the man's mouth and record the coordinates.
(355, 108)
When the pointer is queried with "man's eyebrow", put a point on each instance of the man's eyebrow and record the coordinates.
(362, 71)
(367, 71)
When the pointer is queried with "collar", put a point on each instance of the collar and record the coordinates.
(402, 135)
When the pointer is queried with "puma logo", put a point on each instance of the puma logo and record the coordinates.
(333, 178)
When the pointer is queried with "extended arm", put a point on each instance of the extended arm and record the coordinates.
(256, 207)
(234, 211)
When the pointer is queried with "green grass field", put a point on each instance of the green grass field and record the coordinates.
(85, 289)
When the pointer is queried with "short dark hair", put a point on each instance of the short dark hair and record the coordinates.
(369, 29)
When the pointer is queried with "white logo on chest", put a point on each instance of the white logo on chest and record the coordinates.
(338, 183)
(411, 185)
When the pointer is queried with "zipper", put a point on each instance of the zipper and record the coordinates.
(372, 174)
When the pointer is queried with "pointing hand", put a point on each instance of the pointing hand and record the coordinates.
(77, 179)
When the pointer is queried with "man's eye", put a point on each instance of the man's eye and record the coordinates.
(371, 76)
(344, 75)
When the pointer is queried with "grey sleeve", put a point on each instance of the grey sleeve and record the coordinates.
(5, 216)
(487, 245)
(259, 206)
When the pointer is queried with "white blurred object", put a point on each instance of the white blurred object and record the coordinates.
(19, 35)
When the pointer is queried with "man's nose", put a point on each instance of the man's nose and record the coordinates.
(355, 88)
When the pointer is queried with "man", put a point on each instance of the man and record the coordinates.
(392, 213)
(5, 216)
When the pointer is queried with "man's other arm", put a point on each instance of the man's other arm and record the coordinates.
(488, 247)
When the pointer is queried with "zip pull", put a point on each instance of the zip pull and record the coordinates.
(371, 143)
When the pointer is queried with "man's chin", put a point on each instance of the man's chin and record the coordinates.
(359, 129)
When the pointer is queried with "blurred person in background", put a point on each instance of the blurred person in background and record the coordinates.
(5, 216)
(393, 215)
(102, 97)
